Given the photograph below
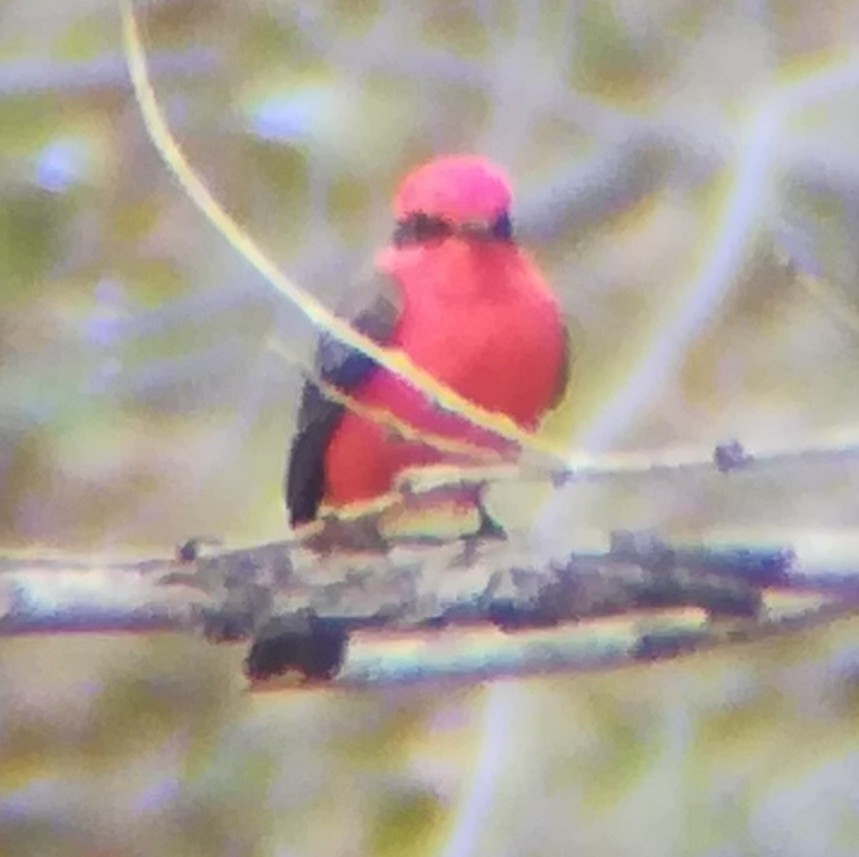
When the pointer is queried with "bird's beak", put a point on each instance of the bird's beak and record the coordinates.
(474, 229)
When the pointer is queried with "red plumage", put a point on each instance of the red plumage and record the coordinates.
(473, 311)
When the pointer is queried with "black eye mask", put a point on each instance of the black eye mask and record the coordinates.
(420, 228)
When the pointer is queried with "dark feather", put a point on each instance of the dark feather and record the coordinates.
(318, 416)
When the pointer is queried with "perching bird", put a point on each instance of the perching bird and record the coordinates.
(466, 304)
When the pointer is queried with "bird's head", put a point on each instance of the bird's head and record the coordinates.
(462, 195)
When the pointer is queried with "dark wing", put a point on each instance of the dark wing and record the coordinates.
(318, 416)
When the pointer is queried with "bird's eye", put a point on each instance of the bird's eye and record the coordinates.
(418, 228)
(502, 228)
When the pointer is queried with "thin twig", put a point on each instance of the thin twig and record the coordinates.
(394, 361)
(34, 76)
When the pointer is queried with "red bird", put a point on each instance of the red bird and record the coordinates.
(465, 303)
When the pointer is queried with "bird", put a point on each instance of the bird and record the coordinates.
(464, 301)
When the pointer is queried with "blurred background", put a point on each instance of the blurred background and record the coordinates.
(686, 174)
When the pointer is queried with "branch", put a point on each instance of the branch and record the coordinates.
(30, 77)
(467, 610)
(397, 362)
(727, 458)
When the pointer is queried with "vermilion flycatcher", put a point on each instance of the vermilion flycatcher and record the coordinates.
(465, 303)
